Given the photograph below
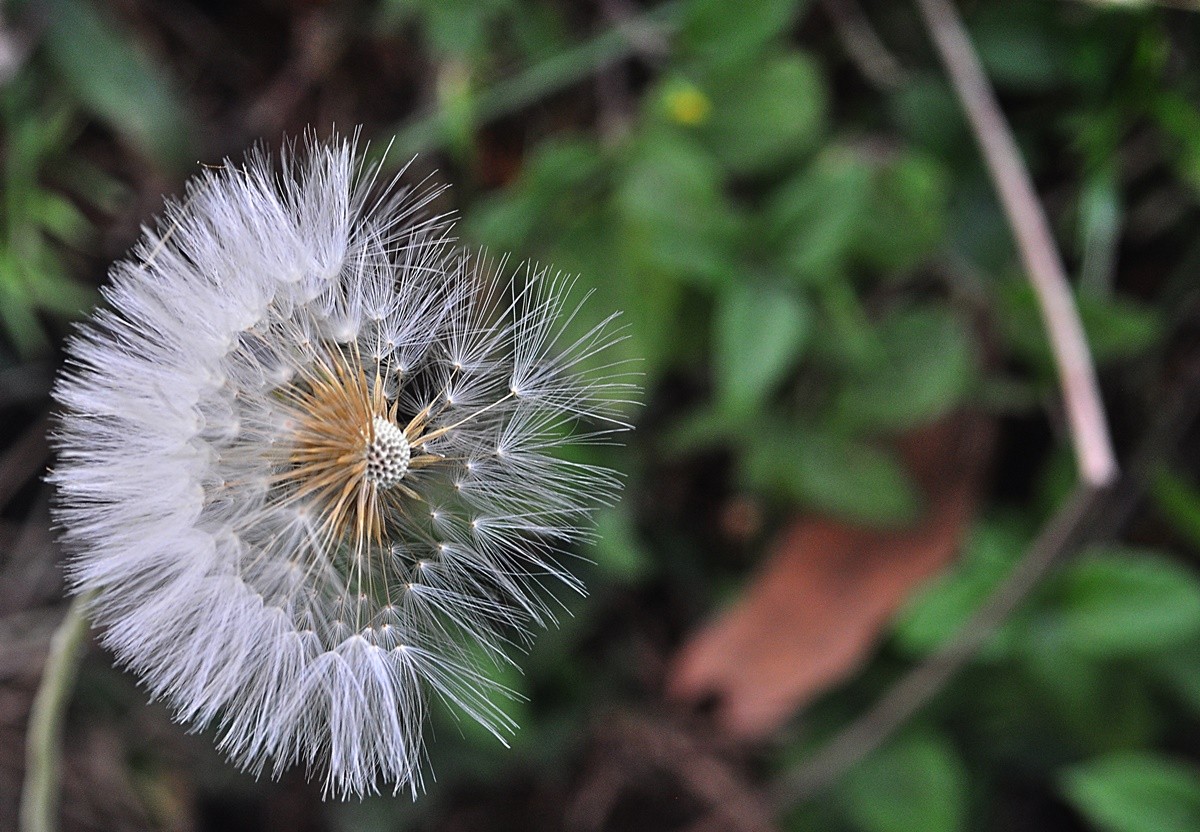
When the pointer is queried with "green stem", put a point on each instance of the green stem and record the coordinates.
(43, 741)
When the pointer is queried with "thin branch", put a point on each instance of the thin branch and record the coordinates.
(1089, 515)
(1085, 411)
(43, 740)
(648, 39)
(863, 45)
(927, 679)
(1089, 429)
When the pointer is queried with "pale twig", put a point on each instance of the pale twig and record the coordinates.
(1089, 429)
(1085, 411)
(863, 45)
(43, 740)
(648, 39)
(615, 107)
(1089, 515)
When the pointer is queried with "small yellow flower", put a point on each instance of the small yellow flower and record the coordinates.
(687, 104)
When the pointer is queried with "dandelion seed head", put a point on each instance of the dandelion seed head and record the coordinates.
(280, 468)
(388, 453)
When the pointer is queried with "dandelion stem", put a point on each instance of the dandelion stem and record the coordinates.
(43, 741)
(863, 46)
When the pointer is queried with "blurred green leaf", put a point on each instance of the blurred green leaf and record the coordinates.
(1095, 704)
(1116, 328)
(1018, 45)
(1177, 671)
(1119, 601)
(594, 247)
(1100, 219)
(1179, 501)
(759, 333)
(770, 114)
(813, 220)
(722, 33)
(112, 77)
(61, 219)
(704, 429)
(938, 611)
(978, 231)
(560, 168)
(926, 369)
(562, 210)
(1058, 477)
(826, 472)
(672, 212)
(561, 180)
(53, 290)
(1179, 119)
(915, 782)
(848, 341)
(1135, 792)
(20, 322)
(458, 28)
(36, 222)
(457, 105)
(928, 114)
(1103, 51)
(617, 548)
(906, 217)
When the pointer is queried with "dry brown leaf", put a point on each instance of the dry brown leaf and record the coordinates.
(814, 611)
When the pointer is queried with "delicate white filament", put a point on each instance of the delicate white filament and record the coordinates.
(201, 525)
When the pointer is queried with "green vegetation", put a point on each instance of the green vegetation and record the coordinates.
(812, 265)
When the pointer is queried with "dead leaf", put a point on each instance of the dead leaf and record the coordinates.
(812, 615)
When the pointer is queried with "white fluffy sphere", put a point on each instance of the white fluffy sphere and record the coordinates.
(308, 466)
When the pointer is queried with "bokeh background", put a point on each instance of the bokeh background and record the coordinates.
(851, 433)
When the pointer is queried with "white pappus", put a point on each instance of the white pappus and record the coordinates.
(308, 463)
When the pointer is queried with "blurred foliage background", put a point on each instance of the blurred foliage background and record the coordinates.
(852, 427)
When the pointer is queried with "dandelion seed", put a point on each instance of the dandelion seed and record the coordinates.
(280, 464)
